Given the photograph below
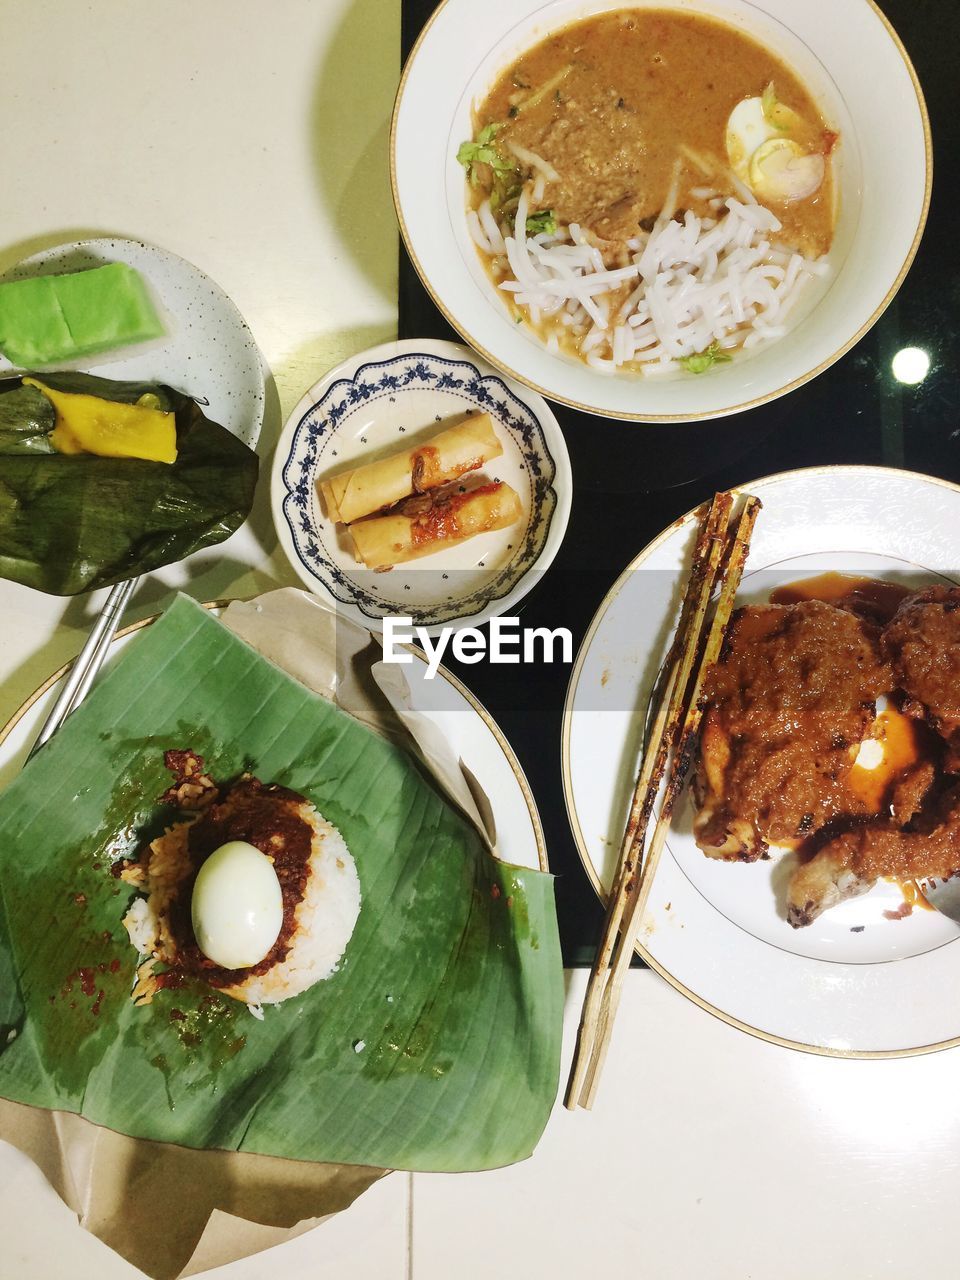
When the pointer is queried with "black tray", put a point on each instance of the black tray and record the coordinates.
(631, 480)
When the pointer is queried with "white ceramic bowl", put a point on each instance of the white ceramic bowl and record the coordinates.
(853, 62)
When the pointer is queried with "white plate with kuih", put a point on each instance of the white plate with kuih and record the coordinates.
(392, 398)
(864, 979)
(843, 63)
(207, 350)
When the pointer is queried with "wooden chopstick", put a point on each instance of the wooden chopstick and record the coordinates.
(683, 754)
(706, 560)
(675, 734)
(706, 550)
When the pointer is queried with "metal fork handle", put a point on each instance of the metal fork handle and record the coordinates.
(88, 662)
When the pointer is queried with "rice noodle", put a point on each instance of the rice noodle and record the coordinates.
(477, 233)
(490, 228)
(537, 163)
(687, 284)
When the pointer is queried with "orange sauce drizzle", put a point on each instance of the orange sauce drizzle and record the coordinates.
(440, 523)
(903, 746)
(870, 596)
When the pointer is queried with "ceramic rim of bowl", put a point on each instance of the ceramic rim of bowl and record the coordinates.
(699, 415)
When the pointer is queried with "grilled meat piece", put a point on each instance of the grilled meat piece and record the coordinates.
(791, 698)
(852, 862)
(824, 882)
(922, 642)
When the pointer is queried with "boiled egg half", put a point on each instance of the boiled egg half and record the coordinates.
(764, 157)
(237, 906)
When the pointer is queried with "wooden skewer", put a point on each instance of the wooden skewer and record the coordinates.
(655, 756)
(706, 561)
(683, 754)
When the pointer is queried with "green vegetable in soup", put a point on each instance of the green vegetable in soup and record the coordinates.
(701, 361)
(544, 221)
(504, 184)
(483, 151)
(776, 113)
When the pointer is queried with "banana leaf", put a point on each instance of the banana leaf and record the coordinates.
(69, 523)
(436, 1044)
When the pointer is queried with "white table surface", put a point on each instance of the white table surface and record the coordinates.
(250, 136)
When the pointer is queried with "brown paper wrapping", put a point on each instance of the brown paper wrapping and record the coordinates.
(175, 1212)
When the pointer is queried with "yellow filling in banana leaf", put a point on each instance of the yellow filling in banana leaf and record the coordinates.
(110, 428)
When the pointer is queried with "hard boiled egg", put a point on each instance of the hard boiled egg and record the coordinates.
(747, 129)
(764, 157)
(780, 169)
(237, 906)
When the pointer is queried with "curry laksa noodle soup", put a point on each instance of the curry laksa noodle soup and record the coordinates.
(651, 190)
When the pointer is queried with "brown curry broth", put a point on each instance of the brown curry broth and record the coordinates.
(678, 77)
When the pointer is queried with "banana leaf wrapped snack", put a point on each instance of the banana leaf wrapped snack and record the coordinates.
(79, 510)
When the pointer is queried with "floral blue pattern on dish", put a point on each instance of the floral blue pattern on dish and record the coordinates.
(462, 389)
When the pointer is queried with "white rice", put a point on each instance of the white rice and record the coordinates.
(324, 919)
(695, 283)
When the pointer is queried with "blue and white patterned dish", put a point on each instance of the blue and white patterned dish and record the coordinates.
(386, 399)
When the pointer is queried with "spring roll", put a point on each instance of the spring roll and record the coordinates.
(426, 524)
(447, 456)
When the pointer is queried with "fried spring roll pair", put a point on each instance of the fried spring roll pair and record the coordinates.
(425, 524)
(378, 485)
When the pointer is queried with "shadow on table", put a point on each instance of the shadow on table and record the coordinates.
(349, 137)
(11, 254)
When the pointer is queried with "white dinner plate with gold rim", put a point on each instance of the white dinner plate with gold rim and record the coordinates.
(472, 732)
(856, 982)
(843, 52)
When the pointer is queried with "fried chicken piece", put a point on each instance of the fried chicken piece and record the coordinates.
(853, 861)
(922, 642)
(824, 882)
(793, 695)
(911, 790)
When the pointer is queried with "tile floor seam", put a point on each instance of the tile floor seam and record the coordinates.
(409, 1272)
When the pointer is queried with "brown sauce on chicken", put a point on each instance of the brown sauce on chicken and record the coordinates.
(923, 643)
(789, 708)
(794, 690)
(928, 847)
